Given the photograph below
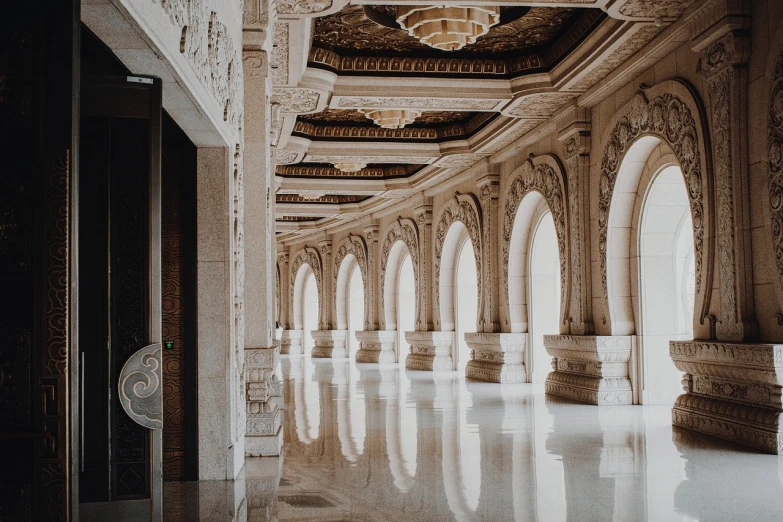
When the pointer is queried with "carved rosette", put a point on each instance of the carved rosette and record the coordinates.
(549, 182)
(668, 118)
(775, 158)
(140, 387)
(356, 246)
(465, 209)
(401, 230)
(307, 256)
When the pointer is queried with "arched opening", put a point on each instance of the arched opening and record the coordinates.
(544, 294)
(309, 312)
(406, 304)
(666, 283)
(466, 290)
(355, 309)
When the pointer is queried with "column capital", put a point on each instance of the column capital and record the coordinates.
(258, 18)
(423, 213)
(372, 232)
(282, 257)
(489, 186)
(325, 246)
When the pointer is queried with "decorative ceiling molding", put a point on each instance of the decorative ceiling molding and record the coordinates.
(278, 62)
(285, 7)
(322, 171)
(325, 158)
(286, 157)
(465, 104)
(330, 198)
(538, 106)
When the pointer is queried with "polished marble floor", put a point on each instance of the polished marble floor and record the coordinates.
(365, 442)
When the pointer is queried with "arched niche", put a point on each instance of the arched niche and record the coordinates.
(669, 114)
(306, 262)
(401, 239)
(350, 254)
(539, 181)
(465, 210)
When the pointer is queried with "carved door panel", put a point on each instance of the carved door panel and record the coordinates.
(120, 294)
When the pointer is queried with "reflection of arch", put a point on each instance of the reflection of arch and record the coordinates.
(672, 116)
(539, 178)
(307, 261)
(463, 209)
(402, 238)
(351, 252)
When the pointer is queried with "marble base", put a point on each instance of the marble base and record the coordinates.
(496, 357)
(430, 351)
(590, 368)
(732, 391)
(291, 342)
(376, 346)
(264, 434)
(330, 344)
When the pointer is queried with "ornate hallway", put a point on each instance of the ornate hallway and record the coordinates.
(368, 442)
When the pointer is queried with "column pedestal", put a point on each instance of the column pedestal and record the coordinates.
(732, 391)
(291, 342)
(430, 351)
(496, 357)
(376, 346)
(590, 368)
(330, 344)
(264, 434)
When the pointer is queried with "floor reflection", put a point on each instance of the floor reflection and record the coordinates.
(365, 442)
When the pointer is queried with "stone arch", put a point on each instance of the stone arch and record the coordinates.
(278, 306)
(402, 235)
(465, 209)
(351, 252)
(309, 259)
(542, 175)
(667, 113)
(775, 155)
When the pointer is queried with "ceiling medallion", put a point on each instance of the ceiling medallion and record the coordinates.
(350, 167)
(391, 118)
(448, 28)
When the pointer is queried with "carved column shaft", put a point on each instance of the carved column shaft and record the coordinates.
(327, 298)
(723, 64)
(372, 284)
(426, 291)
(286, 313)
(576, 151)
(489, 187)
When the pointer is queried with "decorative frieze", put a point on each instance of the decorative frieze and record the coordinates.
(591, 369)
(430, 351)
(775, 164)
(496, 357)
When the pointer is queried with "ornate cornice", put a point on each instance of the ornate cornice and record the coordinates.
(324, 171)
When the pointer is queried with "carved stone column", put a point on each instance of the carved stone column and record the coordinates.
(430, 351)
(590, 368)
(721, 36)
(375, 346)
(328, 342)
(291, 342)
(495, 356)
(262, 352)
(576, 152)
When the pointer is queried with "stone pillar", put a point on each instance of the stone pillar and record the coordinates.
(262, 351)
(329, 342)
(575, 138)
(590, 368)
(221, 413)
(285, 284)
(721, 36)
(375, 346)
(291, 342)
(428, 350)
(495, 356)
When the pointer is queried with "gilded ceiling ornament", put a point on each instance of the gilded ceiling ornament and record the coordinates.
(448, 28)
(391, 118)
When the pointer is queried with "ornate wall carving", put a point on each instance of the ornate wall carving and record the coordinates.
(401, 230)
(296, 101)
(465, 209)
(352, 245)
(464, 104)
(302, 6)
(775, 159)
(669, 118)
(550, 183)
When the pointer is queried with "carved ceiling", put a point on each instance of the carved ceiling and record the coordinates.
(349, 31)
(339, 199)
(356, 118)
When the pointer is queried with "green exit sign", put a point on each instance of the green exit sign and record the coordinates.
(169, 345)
